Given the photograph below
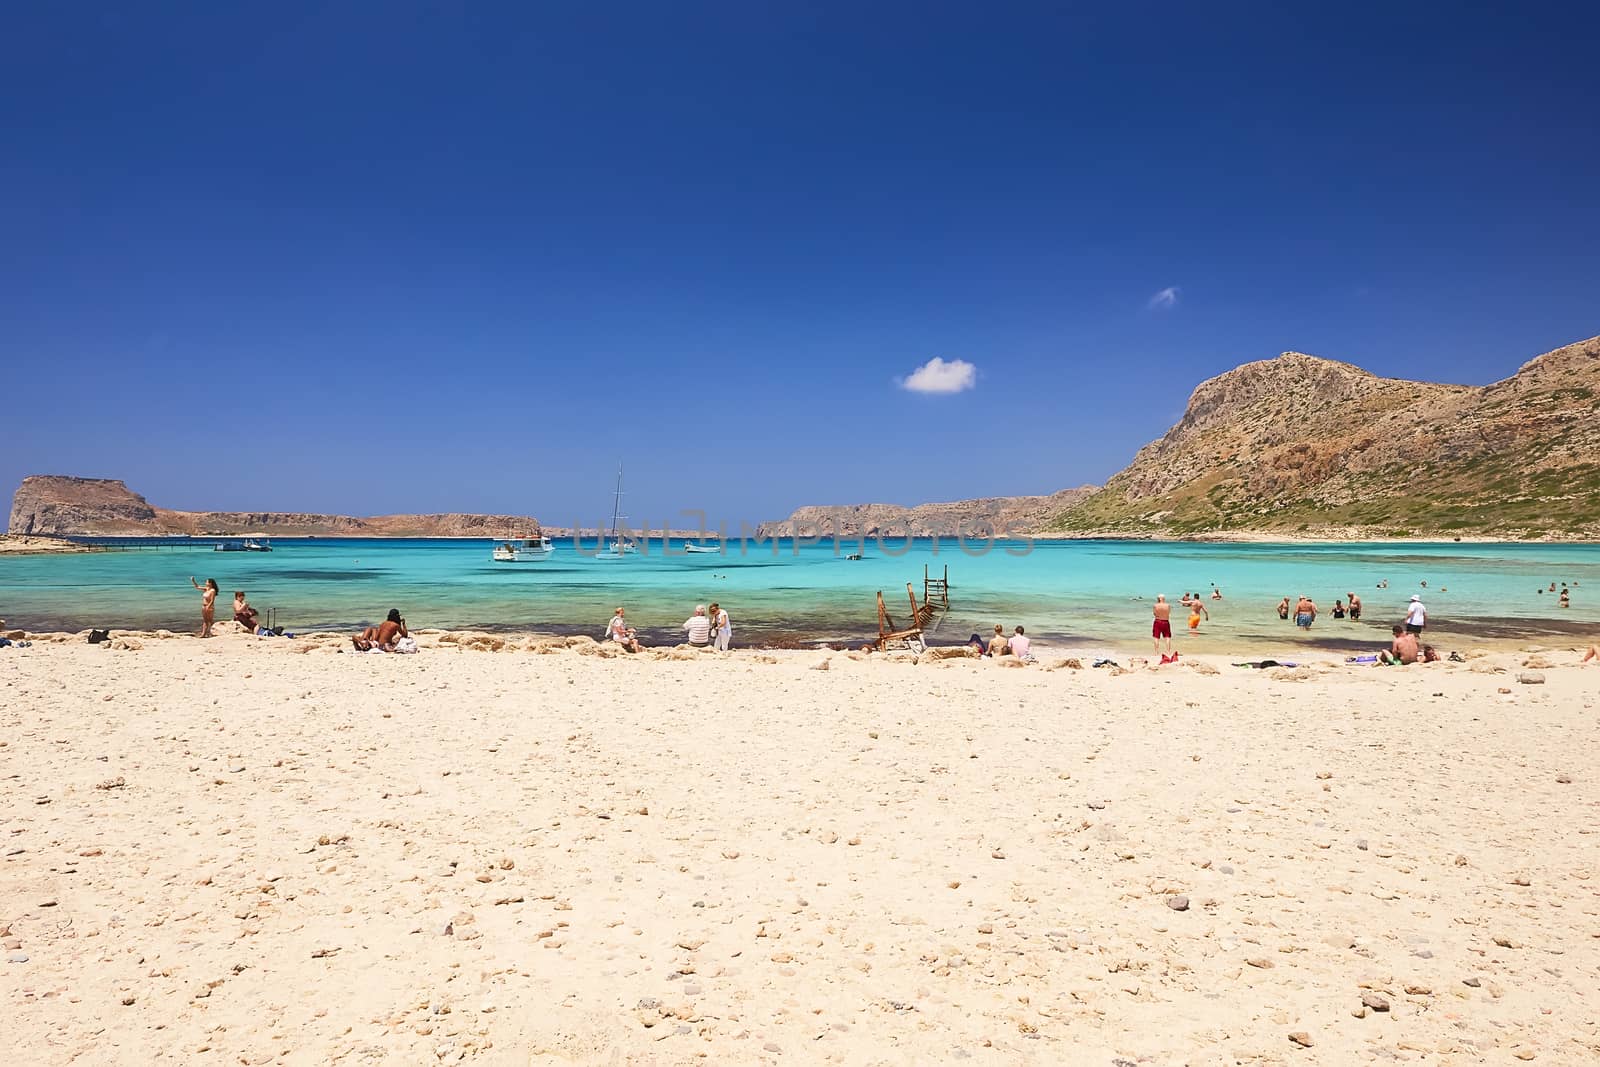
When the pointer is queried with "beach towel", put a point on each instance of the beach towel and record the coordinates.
(1263, 664)
(1361, 659)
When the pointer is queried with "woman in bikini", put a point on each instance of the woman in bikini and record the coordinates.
(384, 636)
(208, 603)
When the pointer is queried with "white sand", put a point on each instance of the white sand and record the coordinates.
(225, 852)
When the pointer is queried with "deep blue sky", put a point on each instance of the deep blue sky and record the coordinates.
(389, 256)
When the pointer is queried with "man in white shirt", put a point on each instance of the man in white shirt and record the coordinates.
(1416, 616)
(698, 627)
(722, 627)
(1020, 644)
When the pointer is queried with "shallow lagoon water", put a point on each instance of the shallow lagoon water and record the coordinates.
(1083, 592)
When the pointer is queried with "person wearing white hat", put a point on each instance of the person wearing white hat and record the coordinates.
(1416, 616)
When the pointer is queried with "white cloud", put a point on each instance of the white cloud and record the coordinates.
(1166, 298)
(941, 376)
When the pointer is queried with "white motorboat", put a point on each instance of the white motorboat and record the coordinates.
(696, 547)
(526, 550)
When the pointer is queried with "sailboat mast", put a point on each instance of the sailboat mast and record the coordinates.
(616, 504)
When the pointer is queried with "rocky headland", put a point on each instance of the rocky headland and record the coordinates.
(61, 506)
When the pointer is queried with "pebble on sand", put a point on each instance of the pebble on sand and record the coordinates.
(1301, 1038)
(1178, 903)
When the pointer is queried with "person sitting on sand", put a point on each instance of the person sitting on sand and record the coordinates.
(384, 636)
(619, 631)
(998, 645)
(1338, 609)
(208, 603)
(1020, 645)
(976, 641)
(243, 613)
(1283, 608)
(1403, 649)
(698, 627)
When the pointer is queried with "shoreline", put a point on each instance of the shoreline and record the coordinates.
(36, 545)
(1046, 647)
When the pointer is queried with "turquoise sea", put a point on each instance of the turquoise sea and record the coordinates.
(1083, 592)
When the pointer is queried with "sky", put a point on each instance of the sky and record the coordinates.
(383, 257)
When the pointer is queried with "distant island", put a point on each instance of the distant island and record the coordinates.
(1300, 447)
(61, 506)
(1296, 447)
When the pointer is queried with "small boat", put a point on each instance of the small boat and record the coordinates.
(262, 545)
(528, 550)
(853, 555)
(693, 546)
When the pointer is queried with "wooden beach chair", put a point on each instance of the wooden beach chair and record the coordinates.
(891, 636)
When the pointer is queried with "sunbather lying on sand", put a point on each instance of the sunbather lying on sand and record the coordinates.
(385, 636)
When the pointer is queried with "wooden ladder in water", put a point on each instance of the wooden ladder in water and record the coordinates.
(935, 598)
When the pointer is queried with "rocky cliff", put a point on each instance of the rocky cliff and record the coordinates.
(1313, 447)
(1000, 514)
(49, 504)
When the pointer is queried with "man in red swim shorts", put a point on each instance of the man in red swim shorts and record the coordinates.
(1162, 627)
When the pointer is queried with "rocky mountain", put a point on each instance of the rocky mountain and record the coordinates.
(1311, 447)
(50, 504)
(1000, 514)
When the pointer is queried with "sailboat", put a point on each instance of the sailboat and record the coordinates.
(616, 544)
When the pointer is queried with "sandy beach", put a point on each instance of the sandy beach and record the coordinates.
(260, 851)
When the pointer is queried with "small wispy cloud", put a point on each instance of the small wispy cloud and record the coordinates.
(941, 376)
(1166, 298)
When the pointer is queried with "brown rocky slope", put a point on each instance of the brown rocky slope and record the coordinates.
(1000, 515)
(58, 505)
(1313, 447)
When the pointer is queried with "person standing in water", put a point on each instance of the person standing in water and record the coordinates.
(1197, 609)
(1161, 627)
(208, 603)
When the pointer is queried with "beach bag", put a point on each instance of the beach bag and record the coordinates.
(407, 645)
(97, 636)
